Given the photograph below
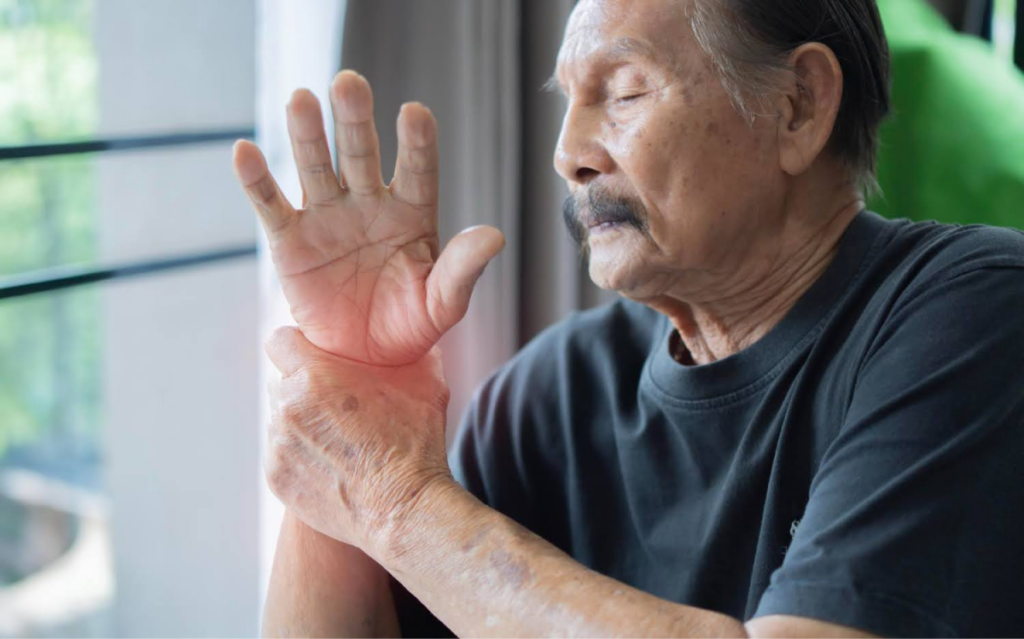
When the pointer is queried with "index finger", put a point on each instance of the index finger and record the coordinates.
(251, 169)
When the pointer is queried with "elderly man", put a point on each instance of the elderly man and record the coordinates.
(803, 420)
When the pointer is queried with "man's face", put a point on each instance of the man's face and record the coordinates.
(671, 187)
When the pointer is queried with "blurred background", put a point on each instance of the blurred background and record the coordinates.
(134, 293)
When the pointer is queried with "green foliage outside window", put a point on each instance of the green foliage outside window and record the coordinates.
(49, 343)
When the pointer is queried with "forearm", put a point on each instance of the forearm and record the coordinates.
(482, 574)
(320, 587)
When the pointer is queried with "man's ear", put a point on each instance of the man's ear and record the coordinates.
(808, 106)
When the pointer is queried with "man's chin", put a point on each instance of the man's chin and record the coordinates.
(613, 274)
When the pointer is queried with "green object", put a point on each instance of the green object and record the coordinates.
(953, 147)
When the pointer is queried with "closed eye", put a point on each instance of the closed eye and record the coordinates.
(629, 98)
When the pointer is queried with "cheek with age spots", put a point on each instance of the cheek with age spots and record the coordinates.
(693, 89)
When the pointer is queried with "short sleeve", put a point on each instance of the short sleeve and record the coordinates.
(915, 519)
(470, 456)
(508, 444)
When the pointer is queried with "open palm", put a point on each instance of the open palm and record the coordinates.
(360, 263)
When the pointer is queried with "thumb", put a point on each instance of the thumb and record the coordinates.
(289, 350)
(451, 282)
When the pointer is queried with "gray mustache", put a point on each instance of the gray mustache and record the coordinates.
(592, 208)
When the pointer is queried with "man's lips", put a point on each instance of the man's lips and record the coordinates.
(604, 227)
(601, 221)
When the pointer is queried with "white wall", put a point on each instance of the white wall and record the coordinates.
(181, 422)
(180, 374)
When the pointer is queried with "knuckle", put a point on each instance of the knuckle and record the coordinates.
(310, 154)
(277, 341)
(277, 453)
(302, 382)
(276, 487)
(318, 171)
(277, 472)
(357, 140)
(420, 161)
(281, 463)
(292, 415)
(303, 399)
(313, 381)
(263, 192)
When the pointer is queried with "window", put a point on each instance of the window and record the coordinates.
(128, 320)
(1003, 27)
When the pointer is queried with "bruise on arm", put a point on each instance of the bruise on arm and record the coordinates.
(483, 574)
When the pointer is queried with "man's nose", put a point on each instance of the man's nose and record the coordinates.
(580, 155)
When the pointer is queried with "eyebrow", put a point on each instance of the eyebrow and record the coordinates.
(621, 47)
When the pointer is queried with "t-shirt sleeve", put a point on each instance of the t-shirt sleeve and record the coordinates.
(915, 519)
(507, 444)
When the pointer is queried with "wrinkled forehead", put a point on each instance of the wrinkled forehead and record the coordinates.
(658, 29)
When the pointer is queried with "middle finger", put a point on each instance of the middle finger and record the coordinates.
(356, 134)
(309, 145)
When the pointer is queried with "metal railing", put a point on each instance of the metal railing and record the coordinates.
(57, 278)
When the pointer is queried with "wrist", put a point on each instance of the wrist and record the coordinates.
(307, 541)
(428, 518)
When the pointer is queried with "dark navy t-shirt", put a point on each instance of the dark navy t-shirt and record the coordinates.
(862, 464)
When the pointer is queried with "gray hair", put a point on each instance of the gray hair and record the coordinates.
(749, 41)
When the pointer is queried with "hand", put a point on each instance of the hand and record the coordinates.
(353, 447)
(359, 263)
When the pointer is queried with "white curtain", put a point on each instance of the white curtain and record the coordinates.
(299, 44)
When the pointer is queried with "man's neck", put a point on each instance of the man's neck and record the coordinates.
(715, 329)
